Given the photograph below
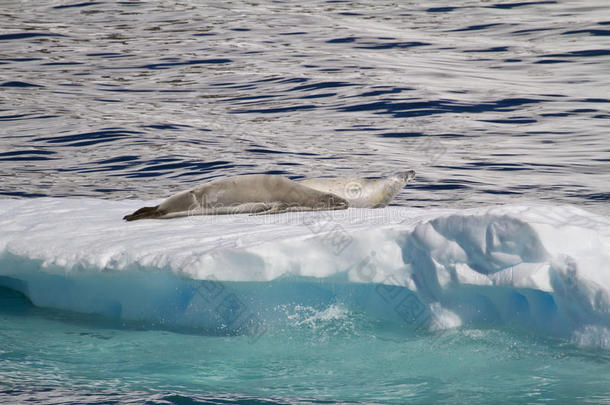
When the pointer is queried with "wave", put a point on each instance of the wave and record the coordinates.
(541, 268)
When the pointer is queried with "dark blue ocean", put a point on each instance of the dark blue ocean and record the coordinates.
(490, 101)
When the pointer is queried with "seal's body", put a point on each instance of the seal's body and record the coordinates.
(261, 194)
(257, 194)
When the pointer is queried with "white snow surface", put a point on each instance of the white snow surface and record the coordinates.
(543, 267)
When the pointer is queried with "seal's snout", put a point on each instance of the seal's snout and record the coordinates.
(144, 212)
(408, 175)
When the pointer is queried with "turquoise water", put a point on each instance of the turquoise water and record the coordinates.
(313, 356)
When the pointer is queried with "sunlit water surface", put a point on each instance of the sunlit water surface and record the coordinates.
(491, 102)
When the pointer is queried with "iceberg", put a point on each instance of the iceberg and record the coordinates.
(541, 268)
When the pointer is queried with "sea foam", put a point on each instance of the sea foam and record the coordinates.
(539, 267)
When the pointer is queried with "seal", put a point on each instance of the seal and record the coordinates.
(362, 193)
(257, 194)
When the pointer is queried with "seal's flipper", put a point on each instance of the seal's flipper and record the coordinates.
(145, 212)
(273, 208)
(280, 208)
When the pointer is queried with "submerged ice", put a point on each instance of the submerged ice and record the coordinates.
(539, 267)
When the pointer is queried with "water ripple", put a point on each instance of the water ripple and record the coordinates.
(136, 99)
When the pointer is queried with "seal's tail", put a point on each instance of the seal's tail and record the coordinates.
(145, 212)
